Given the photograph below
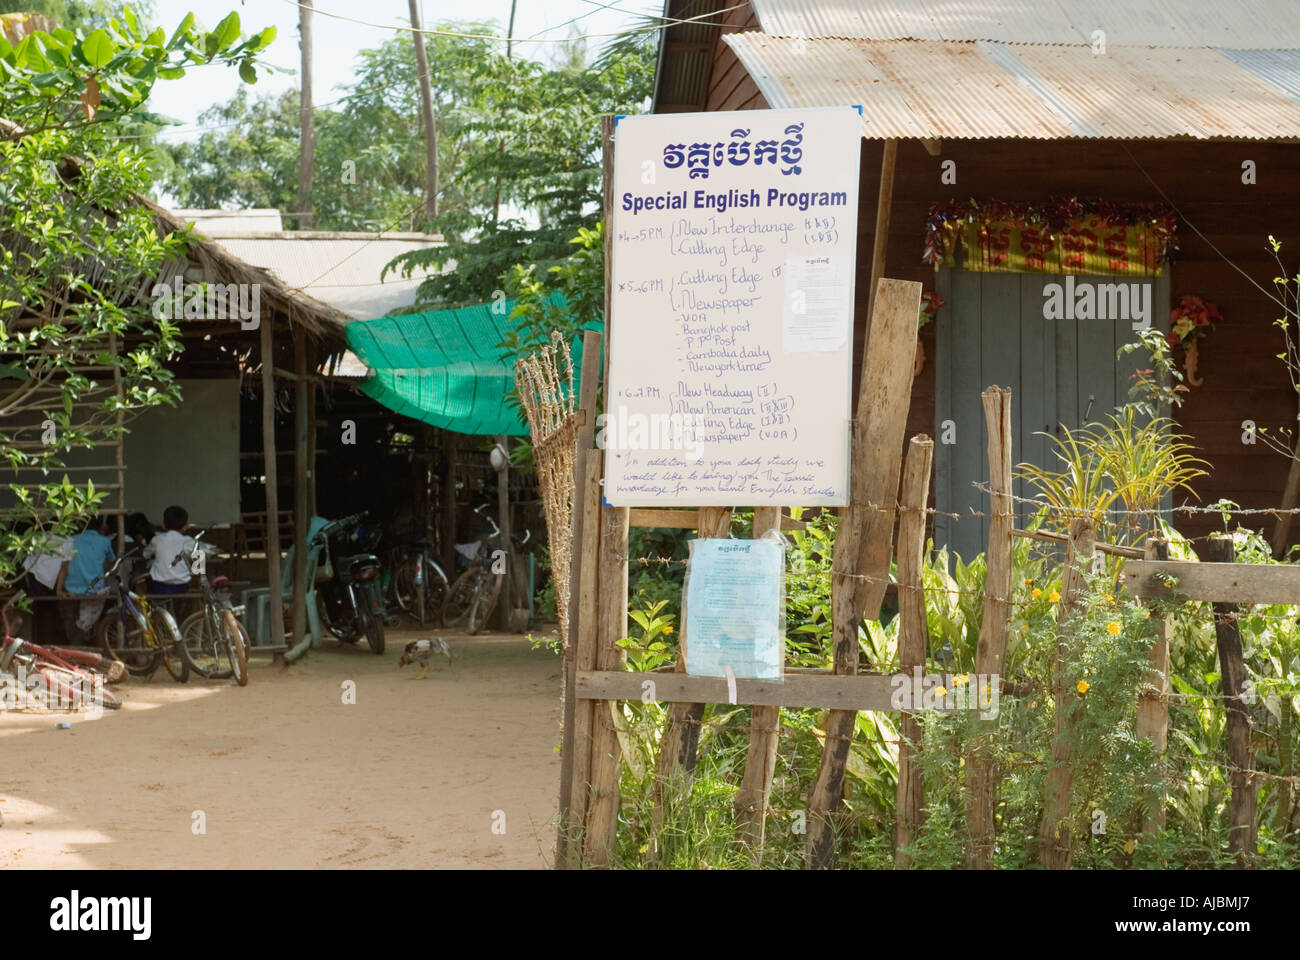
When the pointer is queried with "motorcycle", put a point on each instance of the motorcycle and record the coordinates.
(348, 583)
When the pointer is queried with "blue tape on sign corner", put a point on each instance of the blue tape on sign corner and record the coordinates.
(620, 116)
(857, 107)
(604, 502)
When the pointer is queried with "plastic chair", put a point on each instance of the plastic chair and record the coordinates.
(257, 600)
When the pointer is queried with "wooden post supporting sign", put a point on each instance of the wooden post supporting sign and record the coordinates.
(864, 541)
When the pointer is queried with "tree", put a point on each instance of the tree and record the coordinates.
(79, 15)
(78, 246)
(518, 153)
(548, 173)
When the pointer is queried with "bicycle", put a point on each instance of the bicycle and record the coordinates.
(213, 641)
(71, 677)
(141, 634)
(474, 594)
(419, 585)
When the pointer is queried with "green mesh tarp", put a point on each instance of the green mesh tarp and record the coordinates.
(444, 367)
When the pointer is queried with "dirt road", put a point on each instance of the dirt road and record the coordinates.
(283, 773)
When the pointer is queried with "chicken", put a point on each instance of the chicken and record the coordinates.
(420, 651)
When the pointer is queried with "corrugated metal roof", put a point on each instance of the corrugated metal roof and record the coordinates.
(252, 220)
(341, 270)
(1236, 24)
(938, 89)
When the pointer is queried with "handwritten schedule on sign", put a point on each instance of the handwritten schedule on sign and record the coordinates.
(731, 323)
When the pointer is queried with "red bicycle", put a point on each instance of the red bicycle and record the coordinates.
(67, 678)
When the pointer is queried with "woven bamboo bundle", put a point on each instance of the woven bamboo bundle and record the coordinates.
(544, 381)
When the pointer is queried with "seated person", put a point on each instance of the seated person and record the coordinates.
(82, 576)
(139, 531)
(170, 551)
(42, 578)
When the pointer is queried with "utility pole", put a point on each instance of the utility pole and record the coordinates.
(501, 147)
(306, 120)
(426, 105)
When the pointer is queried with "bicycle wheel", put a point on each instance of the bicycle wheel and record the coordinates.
(203, 648)
(436, 589)
(75, 690)
(123, 634)
(456, 607)
(403, 585)
(236, 642)
(485, 601)
(168, 638)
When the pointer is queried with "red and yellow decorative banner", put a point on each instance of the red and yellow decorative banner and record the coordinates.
(1061, 237)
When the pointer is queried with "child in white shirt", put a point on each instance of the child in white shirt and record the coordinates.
(169, 574)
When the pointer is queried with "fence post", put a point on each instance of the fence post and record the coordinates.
(611, 578)
(1241, 758)
(764, 733)
(913, 637)
(981, 786)
(681, 736)
(1057, 843)
(575, 747)
(583, 606)
(1153, 704)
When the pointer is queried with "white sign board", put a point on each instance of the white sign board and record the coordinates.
(731, 312)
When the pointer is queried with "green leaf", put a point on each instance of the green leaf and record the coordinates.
(227, 31)
(182, 31)
(247, 71)
(261, 41)
(98, 48)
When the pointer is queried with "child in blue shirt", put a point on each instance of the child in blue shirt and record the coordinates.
(82, 576)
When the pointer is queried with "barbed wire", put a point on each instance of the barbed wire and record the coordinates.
(1166, 757)
(1212, 616)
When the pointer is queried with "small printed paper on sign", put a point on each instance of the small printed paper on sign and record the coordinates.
(818, 303)
(733, 609)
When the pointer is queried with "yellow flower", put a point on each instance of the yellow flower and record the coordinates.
(1130, 846)
(960, 679)
(1024, 628)
(1029, 582)
(1113, 628)
(1037, 593)
(1054, 597)
(1083, 686)
(1110, 599)
(940, 692)
(668, 629)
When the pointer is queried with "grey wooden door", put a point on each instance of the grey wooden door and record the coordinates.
(1060, 371)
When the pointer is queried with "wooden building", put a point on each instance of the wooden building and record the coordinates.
(1173, 126)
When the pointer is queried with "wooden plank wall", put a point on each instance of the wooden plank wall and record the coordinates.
(730, 86)
(1243, 378)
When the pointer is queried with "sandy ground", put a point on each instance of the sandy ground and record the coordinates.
(414, 774)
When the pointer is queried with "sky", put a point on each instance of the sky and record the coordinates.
(335, 41)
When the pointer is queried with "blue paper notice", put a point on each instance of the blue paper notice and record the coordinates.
(733, 609)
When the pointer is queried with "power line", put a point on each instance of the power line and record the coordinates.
(590, 13)
(491, 36)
